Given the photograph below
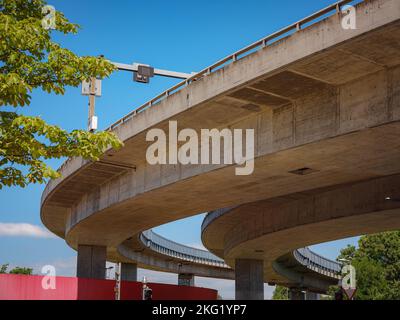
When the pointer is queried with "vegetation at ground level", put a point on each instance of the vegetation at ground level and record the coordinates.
(16, 270)
(280, 293)
(377, 264)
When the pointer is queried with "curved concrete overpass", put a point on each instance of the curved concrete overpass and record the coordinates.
(266, 231)
(153, 251)
(323, 101)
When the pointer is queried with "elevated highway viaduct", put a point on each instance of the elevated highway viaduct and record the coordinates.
(257, 237)
(323, 101)
(158, 253)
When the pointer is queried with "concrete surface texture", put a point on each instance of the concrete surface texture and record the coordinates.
(324, 99)
(249, 279)
(277, 226)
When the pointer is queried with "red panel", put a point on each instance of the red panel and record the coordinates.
(90, 289)
(21, 287)
(171, 292)
(131, 290)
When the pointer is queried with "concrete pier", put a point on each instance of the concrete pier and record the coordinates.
(128, 271)
(249, 279)
(186, 279)
(91, 262)
(312, 296)
(295, 294)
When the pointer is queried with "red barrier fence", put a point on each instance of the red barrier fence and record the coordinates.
(21, 287)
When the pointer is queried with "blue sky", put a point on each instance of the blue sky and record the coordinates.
(178, 35)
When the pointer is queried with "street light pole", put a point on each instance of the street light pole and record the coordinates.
(92, 103)
(142, 73)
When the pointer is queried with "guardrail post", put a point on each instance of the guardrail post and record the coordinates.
(338, 9)
(264, 43)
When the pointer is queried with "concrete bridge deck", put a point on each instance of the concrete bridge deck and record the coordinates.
(268, 230)
(152, 251)
(324, 99)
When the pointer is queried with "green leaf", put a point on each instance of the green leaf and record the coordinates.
(30, 60)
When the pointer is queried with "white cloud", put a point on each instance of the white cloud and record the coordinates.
(65, 267)
(23, 230)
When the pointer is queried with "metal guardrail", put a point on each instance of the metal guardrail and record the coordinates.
(173, 249)
(317, 262)
(254, 47)
(213, 215)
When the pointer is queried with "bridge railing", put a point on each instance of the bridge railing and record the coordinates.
(304, 256)
(314, 261)
(173, 249)
(260, 44)
(213, 215)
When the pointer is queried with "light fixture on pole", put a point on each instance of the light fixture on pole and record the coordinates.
(141, 73)
(92, 88)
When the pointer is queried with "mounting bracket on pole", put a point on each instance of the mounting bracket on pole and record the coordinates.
(92, 88)
(143, 72)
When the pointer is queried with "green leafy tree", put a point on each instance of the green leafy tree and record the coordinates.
(16, 270)
(347, 254)
(381, 254)
(280, 293)
(30, 60)
(371, 280)
(377, 264)
(3, 268)
(19, 270)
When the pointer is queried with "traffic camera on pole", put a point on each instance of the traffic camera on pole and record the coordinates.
(142, 73)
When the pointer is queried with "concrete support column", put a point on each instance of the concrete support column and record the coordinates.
(186, 279)
(91, 262)
(128, 271)
(249, 279)
(296, 294)
(312, 296)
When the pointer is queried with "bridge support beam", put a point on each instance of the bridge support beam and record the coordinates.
(91, 262)
(128, 271)
(186, 279)
(249, 279)
(296, 294)
(312, 296)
